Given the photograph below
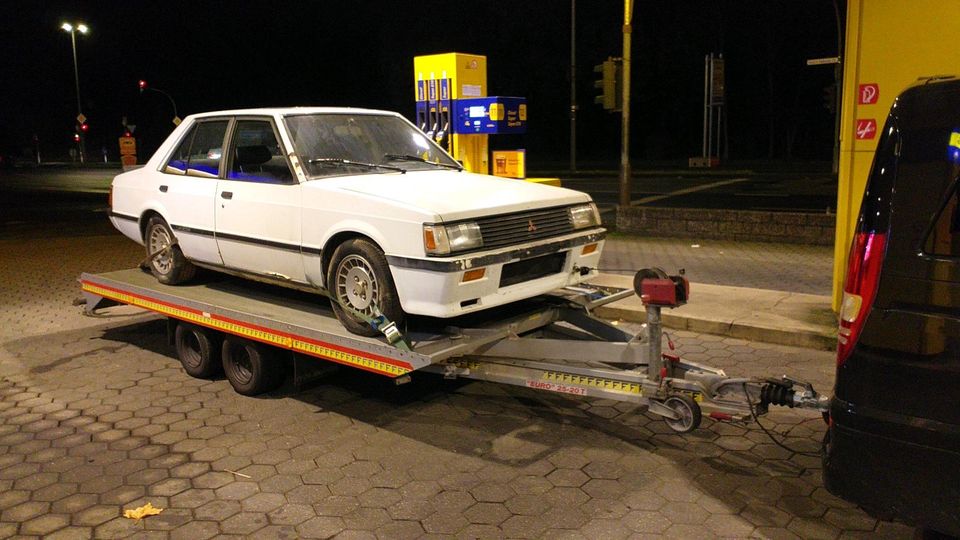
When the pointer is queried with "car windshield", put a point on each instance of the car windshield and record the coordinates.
(334, 144)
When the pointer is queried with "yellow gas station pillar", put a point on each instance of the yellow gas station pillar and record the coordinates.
(889, 45)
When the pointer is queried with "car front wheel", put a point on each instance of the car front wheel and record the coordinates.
(168, 264)
(359, 278)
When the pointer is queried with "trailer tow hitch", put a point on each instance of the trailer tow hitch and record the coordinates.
(792, 393)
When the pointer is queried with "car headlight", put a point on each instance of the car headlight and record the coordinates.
(584, 216)
(444, 239)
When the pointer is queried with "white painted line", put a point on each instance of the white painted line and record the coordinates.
(685, 191)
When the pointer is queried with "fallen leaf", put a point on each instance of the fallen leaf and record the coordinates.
(142, 512)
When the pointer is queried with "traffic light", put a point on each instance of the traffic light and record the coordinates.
(84, 127)
(142, 84)
(609, 84)
(76, 137)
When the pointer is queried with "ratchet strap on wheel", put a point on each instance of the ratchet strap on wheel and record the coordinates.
(379, 322)
(145, 263)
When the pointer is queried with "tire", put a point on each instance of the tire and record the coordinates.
(362, 265)
(251, 367)
(198, 350)
(171, 268)
(689, 411)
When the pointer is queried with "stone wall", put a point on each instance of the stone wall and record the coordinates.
(746, 225)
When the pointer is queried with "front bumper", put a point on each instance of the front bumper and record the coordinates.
(893, 477)
(434, 287)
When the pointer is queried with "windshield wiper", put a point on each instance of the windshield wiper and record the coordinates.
(341, 161)
(411, 157)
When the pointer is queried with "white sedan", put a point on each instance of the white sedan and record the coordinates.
(356, 204)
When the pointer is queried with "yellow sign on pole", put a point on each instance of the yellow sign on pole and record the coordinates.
(128, 146)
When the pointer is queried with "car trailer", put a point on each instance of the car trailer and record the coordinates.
(552, 342)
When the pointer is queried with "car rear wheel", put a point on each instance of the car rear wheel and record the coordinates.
(168, 264)
(359, 278)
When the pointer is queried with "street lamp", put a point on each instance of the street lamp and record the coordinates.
(73, 29)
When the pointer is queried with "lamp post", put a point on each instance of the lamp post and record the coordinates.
(73, 29)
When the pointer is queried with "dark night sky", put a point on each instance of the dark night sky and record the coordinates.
(217, 55)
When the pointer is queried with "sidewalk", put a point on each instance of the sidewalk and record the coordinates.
(756, 291)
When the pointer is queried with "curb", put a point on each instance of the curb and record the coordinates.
(782, 318)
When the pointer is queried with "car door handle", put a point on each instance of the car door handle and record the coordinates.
(226, 194)
(163, 189)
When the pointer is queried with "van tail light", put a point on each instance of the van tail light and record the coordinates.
(860, 289)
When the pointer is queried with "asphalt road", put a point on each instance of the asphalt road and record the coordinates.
(67, 194)
(797, 192)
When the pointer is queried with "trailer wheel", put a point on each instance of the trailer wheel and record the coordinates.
(250, 367)
(689, 412)
(198, 350)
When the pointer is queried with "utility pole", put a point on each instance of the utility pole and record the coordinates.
(625, 173)
(573, 85)
(837, 83)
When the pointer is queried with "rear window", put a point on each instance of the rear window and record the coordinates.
(875, 211)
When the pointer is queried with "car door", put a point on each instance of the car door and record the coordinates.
(186, 186)
(258, 212)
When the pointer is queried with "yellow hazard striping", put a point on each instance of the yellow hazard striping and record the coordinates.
(191, 316)
(255, 333)
(593, 382)
(348, 358)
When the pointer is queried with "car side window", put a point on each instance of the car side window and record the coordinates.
(944, 237)
(200, 151)
(256, 154)
(206, 150)
(181, 156)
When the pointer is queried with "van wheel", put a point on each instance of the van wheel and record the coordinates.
(198, 349)
(169, 267)
(359, 277)
(251, 367)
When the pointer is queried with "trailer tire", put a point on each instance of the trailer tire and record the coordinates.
(198, 350)
(689, 411)
(359, 261)
(251, 367)
(173, 267)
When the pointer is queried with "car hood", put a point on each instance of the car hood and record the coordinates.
(460, 195)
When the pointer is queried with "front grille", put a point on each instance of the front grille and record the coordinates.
(520, 227)
(530, 269)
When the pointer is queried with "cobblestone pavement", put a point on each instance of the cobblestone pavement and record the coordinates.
(96, 416)
(781, 267)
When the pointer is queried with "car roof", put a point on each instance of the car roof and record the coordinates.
(287, 111)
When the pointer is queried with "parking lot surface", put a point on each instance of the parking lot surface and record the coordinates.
(96, 416)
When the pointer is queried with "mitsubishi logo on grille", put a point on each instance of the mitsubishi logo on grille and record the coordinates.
(531, 227)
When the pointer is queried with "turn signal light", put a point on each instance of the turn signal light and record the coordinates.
(428, 240)
(473, 275)
(588, 249)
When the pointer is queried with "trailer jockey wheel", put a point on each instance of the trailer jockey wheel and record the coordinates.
(198, 350)
(250, 367)
(688, 410)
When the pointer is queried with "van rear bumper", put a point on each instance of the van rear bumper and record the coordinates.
(890, 477)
